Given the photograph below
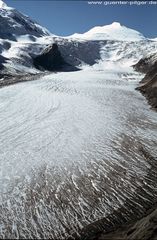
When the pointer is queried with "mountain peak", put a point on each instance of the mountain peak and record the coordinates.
(2, 4)
(116, 24)
(114, 31)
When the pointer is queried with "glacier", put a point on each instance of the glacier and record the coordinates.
(74, 147)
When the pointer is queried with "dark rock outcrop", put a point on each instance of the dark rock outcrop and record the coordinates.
(77, 53)
(149, 89)
(143, 65)
(52, 60)
(2, 61)
(148, 85)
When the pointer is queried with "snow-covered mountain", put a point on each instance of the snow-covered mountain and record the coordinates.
(114, 31)
(3, 5)
(14, 24)
(22, 39)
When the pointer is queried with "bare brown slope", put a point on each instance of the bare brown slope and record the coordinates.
(148, 86)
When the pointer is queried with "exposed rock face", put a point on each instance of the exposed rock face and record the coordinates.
(146, 64)
(143, 65)
(52, 60)
(2, 61)
(86, 52)
(149, 89)
(149, 82)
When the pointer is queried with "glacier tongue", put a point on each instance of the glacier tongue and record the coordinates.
(71, 147)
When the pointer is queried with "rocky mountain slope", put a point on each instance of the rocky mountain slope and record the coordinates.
(52, 60)
(148, 85)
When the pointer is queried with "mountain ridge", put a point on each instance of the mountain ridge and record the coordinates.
(22, 39)
(14, 24)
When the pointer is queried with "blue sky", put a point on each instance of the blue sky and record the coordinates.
(67, 17)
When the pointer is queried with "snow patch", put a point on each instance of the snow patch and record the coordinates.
(3, 5)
